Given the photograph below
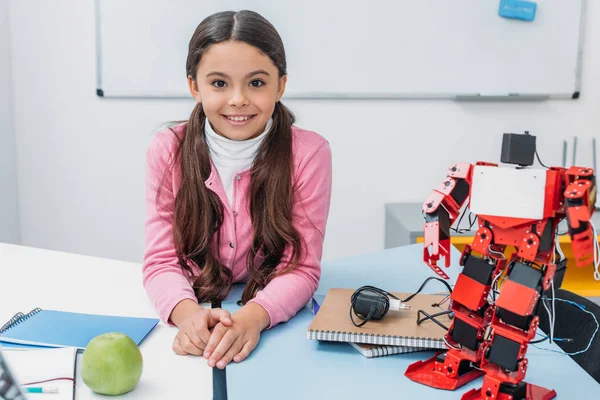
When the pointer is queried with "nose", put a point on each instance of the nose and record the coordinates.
(238, 98)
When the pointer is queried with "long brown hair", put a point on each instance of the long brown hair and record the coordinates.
(198, 213)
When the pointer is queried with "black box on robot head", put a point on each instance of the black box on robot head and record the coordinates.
(518, 149)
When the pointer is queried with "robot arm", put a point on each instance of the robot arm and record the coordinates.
(580, 199)
(441, 209)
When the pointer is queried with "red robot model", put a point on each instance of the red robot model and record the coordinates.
(515, 206)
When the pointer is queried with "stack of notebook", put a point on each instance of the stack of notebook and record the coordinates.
(396, 333)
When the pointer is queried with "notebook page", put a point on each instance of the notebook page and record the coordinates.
(41, 364)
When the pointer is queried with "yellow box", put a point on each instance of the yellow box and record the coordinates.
(577, 280)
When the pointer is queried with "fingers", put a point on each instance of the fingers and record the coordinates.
(200, 333)
(194, 335)
(189, 346)
(177, 347)
(233, 350)
(215, 337)
(224, 344)
(219, 315)
(183, 345)
(245, 352)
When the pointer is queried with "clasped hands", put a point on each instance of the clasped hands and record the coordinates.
(217, 335)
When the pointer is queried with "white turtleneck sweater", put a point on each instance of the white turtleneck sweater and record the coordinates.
(231, 157)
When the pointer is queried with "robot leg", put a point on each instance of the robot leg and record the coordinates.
(472, 317)
(514, 325)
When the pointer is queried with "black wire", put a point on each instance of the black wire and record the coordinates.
(425, 283)
(471, 223)
(538, 341)
(537, 155)
(373, 289)
(432, 317)
(384, 295)
(540, 161)
(365, 320)
(457, 229)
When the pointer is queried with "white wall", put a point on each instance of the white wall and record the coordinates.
(9, 206)
(81, 158)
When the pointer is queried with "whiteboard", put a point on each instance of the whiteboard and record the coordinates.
(368, 49)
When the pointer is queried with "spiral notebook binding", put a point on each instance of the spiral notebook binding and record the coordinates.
(10, 322)
(17, 319)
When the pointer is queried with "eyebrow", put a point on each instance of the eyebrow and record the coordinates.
(224, 75)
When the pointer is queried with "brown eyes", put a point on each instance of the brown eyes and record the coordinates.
(221, 83)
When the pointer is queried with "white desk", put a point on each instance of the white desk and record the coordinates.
(53, 280)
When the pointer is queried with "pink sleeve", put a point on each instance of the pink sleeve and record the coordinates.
(164, 280)
(286, 294)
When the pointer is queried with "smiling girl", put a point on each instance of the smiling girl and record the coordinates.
(237, 193)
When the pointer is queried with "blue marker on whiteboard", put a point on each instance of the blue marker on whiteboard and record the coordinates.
(518, 9)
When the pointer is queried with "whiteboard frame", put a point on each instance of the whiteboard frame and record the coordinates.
(375, 95)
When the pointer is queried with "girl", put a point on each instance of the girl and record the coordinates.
(237, 193)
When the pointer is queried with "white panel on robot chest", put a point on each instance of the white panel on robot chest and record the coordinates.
(508, 192)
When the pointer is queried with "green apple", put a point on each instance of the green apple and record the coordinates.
(112, 364)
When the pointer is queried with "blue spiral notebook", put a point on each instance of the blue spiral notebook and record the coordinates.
(67, 329)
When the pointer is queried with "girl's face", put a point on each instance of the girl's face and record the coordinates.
(238, 87)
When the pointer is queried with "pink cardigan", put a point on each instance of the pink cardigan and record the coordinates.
(167, 284)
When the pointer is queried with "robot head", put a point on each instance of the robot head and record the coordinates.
(518, 149)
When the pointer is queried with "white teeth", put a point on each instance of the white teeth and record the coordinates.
(239, 119)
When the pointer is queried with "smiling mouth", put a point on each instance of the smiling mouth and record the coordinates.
(238, 118)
